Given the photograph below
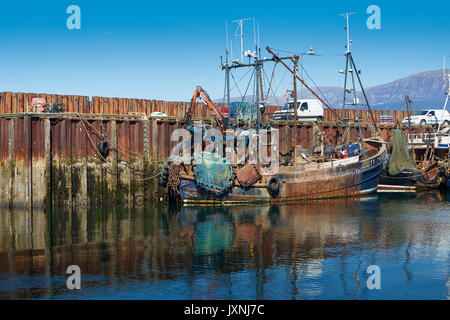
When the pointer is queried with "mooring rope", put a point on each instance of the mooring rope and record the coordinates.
(100, 136)
(103, 158)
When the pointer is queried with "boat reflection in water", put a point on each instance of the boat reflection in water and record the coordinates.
(309, 250)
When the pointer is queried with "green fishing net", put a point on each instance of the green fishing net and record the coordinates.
(212, 172)
(246, 111)
(400, 158)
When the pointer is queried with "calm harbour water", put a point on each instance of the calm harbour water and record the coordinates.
(311, 250)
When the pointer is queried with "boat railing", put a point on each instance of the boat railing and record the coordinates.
(437, 140)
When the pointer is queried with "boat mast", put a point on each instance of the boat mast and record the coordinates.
(347, 53)
(257, 64)
(446, 77)
(240, 22)
(276, 58)
(228, 71)
(350, 66)
(294, 74)
(226, 67)
(408, 102)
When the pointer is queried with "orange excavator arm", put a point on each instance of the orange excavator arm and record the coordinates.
(200, 93)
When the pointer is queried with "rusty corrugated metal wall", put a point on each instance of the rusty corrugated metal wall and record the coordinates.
(19, 102)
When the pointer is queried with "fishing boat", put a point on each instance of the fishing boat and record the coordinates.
(401, 173)
(354, 176)
(421, 162)
(326, 171)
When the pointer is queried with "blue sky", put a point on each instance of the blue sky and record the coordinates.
(163, 50)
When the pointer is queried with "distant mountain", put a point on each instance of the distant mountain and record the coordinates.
(425, 89)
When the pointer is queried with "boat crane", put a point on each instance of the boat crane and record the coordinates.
(218, 117)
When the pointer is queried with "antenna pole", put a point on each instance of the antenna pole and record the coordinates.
(348, 28)
(259, 44)
(226, 35)
(408, 101)
(254, 32)
(258, 73)
(295, 60)
(347, 61)
(240, 22)
(447, 94)
(227, 69)
(242, 41)
(348, 34)
(345, 92)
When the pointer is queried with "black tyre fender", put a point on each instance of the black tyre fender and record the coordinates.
(103, 148)
(273, 186)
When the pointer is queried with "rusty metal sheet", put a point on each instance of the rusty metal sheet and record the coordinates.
(248, 175)
(78, 140)
(38, 138)
(122, 103)
(8, 102)
(115, 107)
(4, 137)
(111, 106)
(123, 132)
(2, 103)
(19, 138)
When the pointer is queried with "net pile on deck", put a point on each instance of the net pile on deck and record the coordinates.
(400, 158)
(246, 111)
(212, 173)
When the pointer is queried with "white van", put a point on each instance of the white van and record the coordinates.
(433, 116)
(307, 110)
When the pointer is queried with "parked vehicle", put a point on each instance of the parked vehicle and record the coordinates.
(433, 116)
(307, 110)
(224, 110)
(158, 114)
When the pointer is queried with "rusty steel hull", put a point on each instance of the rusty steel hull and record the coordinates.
(356, 179)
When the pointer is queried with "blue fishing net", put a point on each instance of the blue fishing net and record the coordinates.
(212, 172)
(246, 111)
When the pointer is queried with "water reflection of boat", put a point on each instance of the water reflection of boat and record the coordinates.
(189, 246)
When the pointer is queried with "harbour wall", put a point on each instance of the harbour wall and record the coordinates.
(52, 160)
(19, 102)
